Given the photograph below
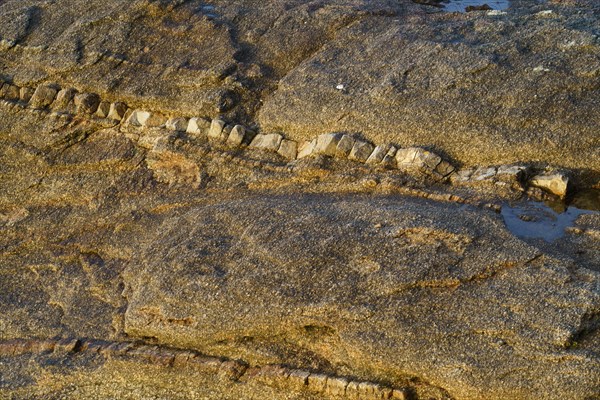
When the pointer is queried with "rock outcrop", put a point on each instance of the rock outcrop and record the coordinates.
(288, 199)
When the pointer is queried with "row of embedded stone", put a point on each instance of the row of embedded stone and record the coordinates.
(70, 101)
(273, 375)
(63, 100)
(554, 182)
(411, 159)
(330, 144)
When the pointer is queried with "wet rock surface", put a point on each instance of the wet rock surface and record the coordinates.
(285, 199)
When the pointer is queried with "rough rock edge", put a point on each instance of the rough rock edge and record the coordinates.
(234, 370)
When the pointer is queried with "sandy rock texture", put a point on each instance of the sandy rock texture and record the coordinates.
(188, 209)
(484, 88)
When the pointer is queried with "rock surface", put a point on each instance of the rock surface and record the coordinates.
(482, 87)
(141, 262)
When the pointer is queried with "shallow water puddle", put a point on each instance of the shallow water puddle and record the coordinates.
(461, 5)
(537, 220)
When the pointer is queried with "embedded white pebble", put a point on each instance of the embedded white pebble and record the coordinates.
(327, 144)
(306, 148)
(271, 141)
(361, 151)
(545, 13)
(236, 136)
(177, 124)
(216, 129)
(288, 149)
(198, 126)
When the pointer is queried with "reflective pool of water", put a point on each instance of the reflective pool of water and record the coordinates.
(461, 5)
(537, 220)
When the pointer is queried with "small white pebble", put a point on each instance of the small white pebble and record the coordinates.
(540, 68)
(340, 87)
(545, 13)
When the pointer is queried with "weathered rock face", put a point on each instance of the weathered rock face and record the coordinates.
(384, 286)
(484, 88)
(264, 199)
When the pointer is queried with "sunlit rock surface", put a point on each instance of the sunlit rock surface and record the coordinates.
(290, 199)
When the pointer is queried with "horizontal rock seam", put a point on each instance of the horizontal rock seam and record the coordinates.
(272, 375)
(412, 159)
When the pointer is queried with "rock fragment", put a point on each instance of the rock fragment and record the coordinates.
(271, 141)
(306, 148)
(378, 154)
(225, 133)
(43, 96)
(198, 126)
(444, 169)
(317, 382)
(64, 100)
(10, 92)
(361, 151)
(177, 124)
(345, 145)
(117, 111)
(216, 129)
(369, 390)
(398, 394)
(327, 144)
(389, 160)
(138, 117)
(513, 174)
(103, 109)
(86, 103)
(462, 176)
(236, 136)
(555, 182)
(298, 378)
(416, 157)
(336, 386)
(146, 119)
(352, 389)
(483, 174)
(25, 94)
(288, 149)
